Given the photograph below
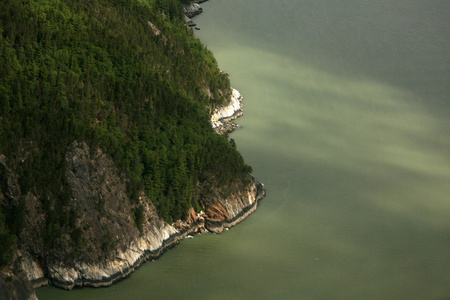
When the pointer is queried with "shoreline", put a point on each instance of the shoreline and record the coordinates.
(142, 249)
(158, 236)
(223, 115)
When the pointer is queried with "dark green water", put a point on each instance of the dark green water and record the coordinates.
(347, 123)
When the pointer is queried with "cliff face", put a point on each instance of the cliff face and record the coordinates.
(226, 212)
(14, 286)
(192, 9)
(158, 237)
(73, 169)
(112, 245)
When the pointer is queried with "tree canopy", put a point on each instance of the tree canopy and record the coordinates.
(97, 71)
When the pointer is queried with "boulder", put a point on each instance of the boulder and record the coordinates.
(192, 9)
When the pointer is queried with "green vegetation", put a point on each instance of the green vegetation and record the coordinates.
(95, 71)
(6, 242)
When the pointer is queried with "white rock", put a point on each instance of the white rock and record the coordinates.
(227, 111)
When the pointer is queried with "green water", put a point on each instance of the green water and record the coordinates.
(346, 122)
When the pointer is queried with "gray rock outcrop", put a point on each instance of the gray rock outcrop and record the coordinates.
(223, 115)
(111, 246)
(15, 287)
(108, 219)
(158, 237)
(192, 9)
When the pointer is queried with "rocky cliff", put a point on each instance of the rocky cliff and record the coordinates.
(158, 237)
(226, 212)
(91, 224)
(192, 9)
(110, 244)
(223, 115)
(13, 286)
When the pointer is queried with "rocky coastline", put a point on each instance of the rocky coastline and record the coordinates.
(237, 212)
(150, 246)
(222, 117)
(157, 236)
(90, 173)
(192, 9)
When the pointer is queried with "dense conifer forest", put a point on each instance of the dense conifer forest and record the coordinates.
(125, 76)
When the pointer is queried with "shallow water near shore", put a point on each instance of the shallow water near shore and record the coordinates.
(346, 107)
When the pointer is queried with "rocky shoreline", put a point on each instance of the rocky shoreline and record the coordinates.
(223, 115)
(218, 225)
(193, 8)
(124, 263)
(131, 248)
(157, 236)
(150, 246)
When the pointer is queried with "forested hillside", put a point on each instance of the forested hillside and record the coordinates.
(124, 76)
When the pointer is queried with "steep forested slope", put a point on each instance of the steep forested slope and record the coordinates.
(124, 79)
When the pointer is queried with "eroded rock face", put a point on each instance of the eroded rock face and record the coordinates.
(223, 115)
(226, 212)
(192, 9)
(33, 270)
(13, 286)
(112, 245)
(99, 197)
(158, 237)
(11, 185)
(149, 246)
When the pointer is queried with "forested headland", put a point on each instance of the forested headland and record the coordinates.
(125, 77)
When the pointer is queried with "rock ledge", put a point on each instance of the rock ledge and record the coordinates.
(223, 115)
(147, 247)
